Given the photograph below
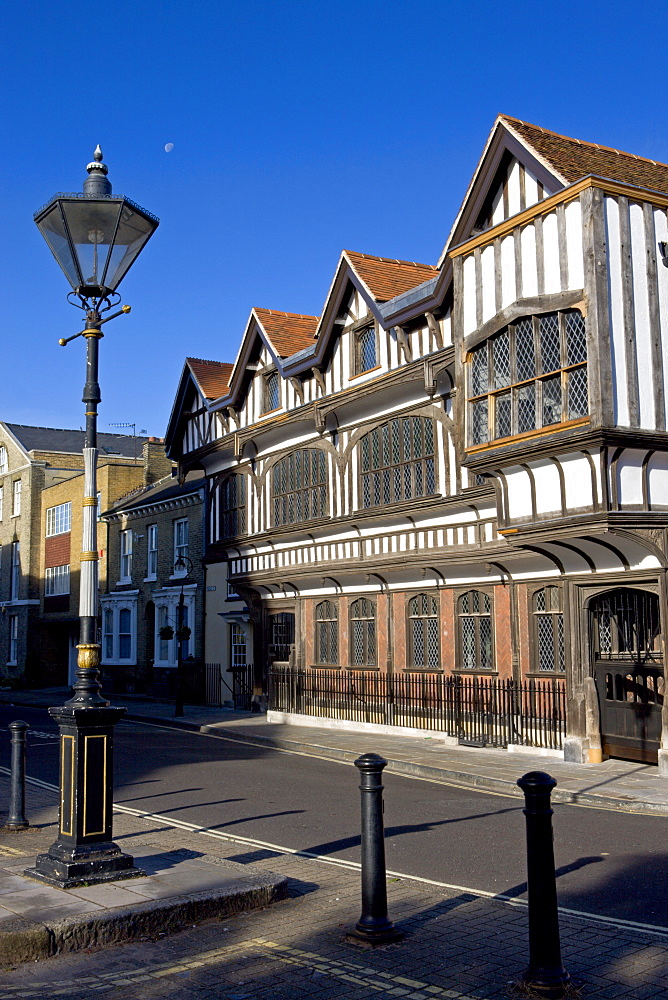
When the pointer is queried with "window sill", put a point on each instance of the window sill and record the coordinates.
(123, 583)
(422, 670)
(324, 666)
(362, 666)
(475, 673)
(149, 579)
(546, 675)
(366, 371)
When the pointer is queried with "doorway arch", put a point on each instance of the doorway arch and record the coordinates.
(627, 662)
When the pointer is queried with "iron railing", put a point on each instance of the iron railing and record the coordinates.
(478, 711)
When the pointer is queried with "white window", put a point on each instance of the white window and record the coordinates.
(238, 639)
(181, 544)
(167, 622)
(15, 571)
(2, 493)
(3, 459)
(108, 634)
(126, 555)
(152, 551)
(164, 644)
(124, 634)
(16, 505)
(59, 519)
(13, 639)
(57, 581)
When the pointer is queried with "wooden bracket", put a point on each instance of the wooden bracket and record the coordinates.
(435, 330)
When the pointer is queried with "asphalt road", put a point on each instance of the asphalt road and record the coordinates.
(613, 864)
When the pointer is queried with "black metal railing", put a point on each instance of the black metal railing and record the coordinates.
(478, 711)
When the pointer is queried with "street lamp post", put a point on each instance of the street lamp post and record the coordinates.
(183, 562)
(95, 237)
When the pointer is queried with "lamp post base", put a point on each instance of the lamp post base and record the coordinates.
(83, 866)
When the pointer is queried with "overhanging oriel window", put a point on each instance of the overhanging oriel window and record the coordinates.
(530, 375)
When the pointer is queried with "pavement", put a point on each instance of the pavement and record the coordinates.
(460, 944)
(614, 784)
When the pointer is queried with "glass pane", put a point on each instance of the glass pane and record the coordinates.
(578, 403)
(418, 643)
(551, 401)
(576, 339)
(52, 229)
(432, 644)
(92, 228)
(468, 643)
(479, 422)
(545, 637)
(479, 371)
(501, 348)
(524, 350)
(502, 415)
(485, 643)
(133, 232)
(526, 407)
(549, 342)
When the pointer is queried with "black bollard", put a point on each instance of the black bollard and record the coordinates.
(16, 819)
(545, 973)
(373, 927)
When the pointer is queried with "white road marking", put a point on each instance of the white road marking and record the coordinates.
(206, 831)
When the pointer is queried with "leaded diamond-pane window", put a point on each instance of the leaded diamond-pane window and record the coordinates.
(299, 487)
(548, 621)
(232, 506)
(327, 632)
(397, 461)
(271, 392)
(531, 374)
(363, 633)
(475, 631)
(423, 632)
(365, 350)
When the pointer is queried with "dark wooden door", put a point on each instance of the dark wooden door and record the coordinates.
(628, 670)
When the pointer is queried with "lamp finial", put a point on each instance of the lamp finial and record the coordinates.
(96, 184)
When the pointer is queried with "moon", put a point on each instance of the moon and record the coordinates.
(169, 146)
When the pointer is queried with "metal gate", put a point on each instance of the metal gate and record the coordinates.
(628, 670)
(242, 686)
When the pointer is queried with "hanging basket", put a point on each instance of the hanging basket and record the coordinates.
(166, 632)
(183, 633)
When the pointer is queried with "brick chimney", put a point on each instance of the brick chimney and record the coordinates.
(156, 463)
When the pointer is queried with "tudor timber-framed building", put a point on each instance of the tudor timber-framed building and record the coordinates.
(463, 468)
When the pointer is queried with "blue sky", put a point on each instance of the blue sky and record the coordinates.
(299, 128)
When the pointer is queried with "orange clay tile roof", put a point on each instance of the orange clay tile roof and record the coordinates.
(212, 377)
(288, 332)
(574, 159)
(385, 277)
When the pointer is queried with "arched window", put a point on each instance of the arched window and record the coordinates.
(397, 461)
(272, 392)
(232, 506)
(548, 624)
(299, 487)
(327, 632)
(366, 356)
(363, 633)
(423, 632)
(475, 631)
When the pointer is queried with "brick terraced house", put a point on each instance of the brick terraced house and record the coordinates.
(444, 501)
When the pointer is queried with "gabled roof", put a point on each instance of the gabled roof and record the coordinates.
(287, 332)
(573, 159)
(71, 442)
(385, 277)
(212, 377)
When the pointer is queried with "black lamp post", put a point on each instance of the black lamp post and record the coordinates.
(95, 236)
(182, 563)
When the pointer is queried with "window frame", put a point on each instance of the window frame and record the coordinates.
(55, 581)
(362, 604)
(477, 616)
(382, 481)
(15, 571)
(13, 641)
(518, 387)
(297, 496)
(232, 517)
(558, 632)
(125, 557)
(237, 628)
(326, 633)
(180, 550)
(60, 518)
(273, 379)
(358, 365)
(4, 460)
(17, 487)
(2, 497)
(152, 551)
(425, 618)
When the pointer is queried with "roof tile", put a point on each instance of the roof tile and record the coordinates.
(385, 277)
(574, 159)
(288, 332)
(212, 377)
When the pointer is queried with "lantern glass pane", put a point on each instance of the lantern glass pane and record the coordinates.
(52, 228)
(133, 232)
(92, 228)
